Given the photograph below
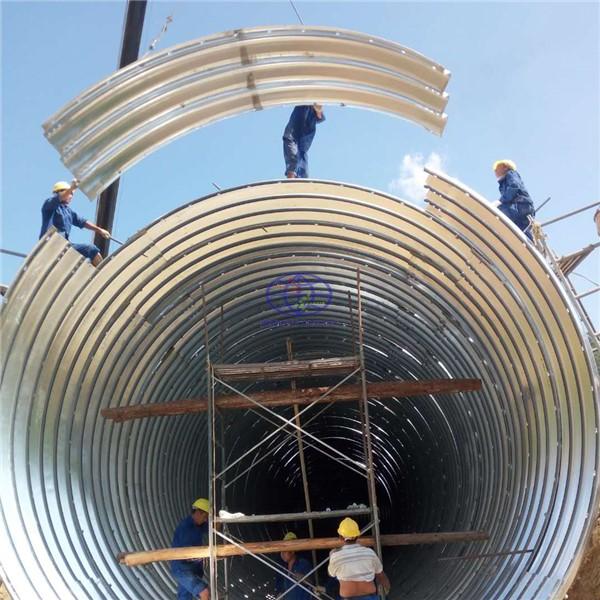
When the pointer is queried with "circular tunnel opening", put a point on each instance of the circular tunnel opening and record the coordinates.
(446, 293)
(420, 472)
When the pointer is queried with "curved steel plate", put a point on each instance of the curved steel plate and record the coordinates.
(117, 122)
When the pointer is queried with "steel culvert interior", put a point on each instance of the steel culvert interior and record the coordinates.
(450, 291)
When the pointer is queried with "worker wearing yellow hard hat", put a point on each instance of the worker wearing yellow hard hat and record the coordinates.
(202, 505)
(57, 212)
(515, 201)
(356, 567)
(60, 186)
(504, 162)
(293, 569)
(348, 529)
(189, 574)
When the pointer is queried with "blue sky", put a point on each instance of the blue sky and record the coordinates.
(525, 85)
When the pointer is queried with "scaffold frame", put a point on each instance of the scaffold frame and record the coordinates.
(345, 367)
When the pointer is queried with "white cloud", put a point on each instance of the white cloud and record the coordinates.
(409, 184)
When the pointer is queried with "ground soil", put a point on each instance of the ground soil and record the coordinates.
(587, 583)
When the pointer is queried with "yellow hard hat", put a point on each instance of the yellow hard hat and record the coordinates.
(201, 504)
(290, 535)
(348, 529)
(506, 162)
(60, 186)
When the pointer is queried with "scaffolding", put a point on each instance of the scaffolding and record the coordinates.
(346, 368)
(228, 376)
(564, 267)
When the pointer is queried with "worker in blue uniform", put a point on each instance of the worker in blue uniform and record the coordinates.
(295, 567)
(298, 136)
(189, 574)
(515, 201)
(56, 211)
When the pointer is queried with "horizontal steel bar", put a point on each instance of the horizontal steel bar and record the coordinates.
(588, 293)
(13, 253)
(299, 516)
(488, 555)
(570, 214)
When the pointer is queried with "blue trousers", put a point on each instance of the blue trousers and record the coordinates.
(188, 576)
(296, 160)
(367, 597)
(88, 250)
(518, 213)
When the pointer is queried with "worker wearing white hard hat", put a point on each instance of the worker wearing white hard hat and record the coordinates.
(189, 574)
(57, 212)
(357, 568)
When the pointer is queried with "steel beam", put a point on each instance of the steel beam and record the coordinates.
(130, 48)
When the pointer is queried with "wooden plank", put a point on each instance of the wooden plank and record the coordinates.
(569, 263)
(286, 370)
(345, 393)
(132, 559)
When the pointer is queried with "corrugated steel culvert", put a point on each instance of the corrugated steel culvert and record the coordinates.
(452, 290)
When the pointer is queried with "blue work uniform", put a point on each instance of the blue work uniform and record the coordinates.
(515, 201)
(189, 574)
(63, 217)
(297, 138)
(300, 568)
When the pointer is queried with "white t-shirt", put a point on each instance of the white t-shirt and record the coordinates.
(353, 562)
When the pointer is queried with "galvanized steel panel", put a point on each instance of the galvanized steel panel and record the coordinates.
(115, 123)
(451, 290)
